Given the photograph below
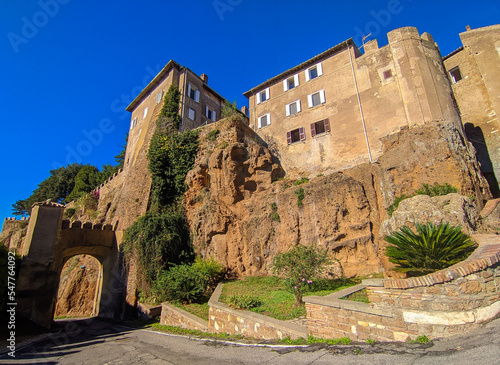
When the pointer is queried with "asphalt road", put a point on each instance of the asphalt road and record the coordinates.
(92, 341)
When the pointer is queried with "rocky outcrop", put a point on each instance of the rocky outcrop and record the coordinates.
(77, 287)
(242, 212)
(455, 209)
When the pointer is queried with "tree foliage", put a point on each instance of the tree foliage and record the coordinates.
(56, 187)
(229, 109)
(433, 247)
(301, 265)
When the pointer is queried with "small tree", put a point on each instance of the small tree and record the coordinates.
(229, 109)
(301, 265)
(432, 248)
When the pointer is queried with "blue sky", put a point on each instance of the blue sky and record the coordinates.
(70, 67)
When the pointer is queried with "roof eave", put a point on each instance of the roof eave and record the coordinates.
(156, 80)
(294, 69)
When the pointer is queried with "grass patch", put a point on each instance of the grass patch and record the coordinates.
(272, 297)
(198, 309)
(301, 181)
(184, 331)
(312, 340)
(359, 296)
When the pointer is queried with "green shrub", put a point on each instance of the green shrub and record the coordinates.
(242, 301)
(300, 192)
(212, 135)
(188, 283)
(433, 247)
(302, 180)
(274, 214)
(300, 266)
(426, 189)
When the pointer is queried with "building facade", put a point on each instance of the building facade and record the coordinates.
(474, 72)
(329, 112)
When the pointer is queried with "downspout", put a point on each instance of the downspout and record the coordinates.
(183, 97)
(359, 103)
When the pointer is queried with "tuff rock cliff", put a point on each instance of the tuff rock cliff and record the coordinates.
(242, 210)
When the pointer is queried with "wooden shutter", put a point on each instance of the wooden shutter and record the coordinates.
(289, 137)
(302, 133)
(296, 80)
(327, 125)
(197, 96)
(313, 129)
(310, 100)
(285, 85)
(207, 112)
(320, 69)
(322, 96)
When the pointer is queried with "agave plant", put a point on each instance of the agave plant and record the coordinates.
(432, 248)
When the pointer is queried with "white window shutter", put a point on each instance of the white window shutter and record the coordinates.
(206, 111)
(322, 96)
(214, 116)
(267, 94)
(320, 69)
(298, 106)
(307, 75)
(258, 98)
(296, 80)
(287, 109)
(259, 123)
(285, 85)
(145, 112)
(189, 90)
(310, 100)
(268, 118)
(197, 96)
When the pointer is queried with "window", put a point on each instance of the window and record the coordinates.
(262, 96)
(159, 97)
(316, 99)
(134, 123)
(291, 82)
(293, 108)
(387, 74)
(145, 112)
(313, 72)
(193, 93)
(209, 113)
(191, 114)
(296, 135)
(264, 120)
(455, 75)
(320, 127)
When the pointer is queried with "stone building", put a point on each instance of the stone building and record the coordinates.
(329, 112)
(474, 72)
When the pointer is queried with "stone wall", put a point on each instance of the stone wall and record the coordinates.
(447, 302)
(173, 316)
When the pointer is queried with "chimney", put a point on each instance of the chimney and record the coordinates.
(244, 110)
(204, 77)
(467, 28)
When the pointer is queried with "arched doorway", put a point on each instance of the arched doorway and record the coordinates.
(79, 287)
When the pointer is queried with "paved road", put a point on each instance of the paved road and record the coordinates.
(92, 341)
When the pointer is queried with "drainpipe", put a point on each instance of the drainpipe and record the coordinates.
(183, 104)
(359, 103)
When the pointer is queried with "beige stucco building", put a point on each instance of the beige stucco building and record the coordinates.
(329, 112)
(474, 71)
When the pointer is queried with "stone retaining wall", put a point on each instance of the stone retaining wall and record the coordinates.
(174, 316)
(450, 301)
(225, 319)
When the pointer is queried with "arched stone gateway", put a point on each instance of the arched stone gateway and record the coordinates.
(49, 243)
